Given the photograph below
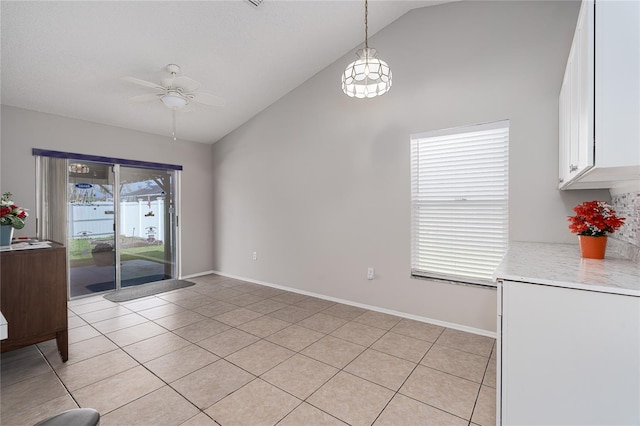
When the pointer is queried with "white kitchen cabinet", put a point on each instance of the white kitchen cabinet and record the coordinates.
(568, 338)
(599, 102)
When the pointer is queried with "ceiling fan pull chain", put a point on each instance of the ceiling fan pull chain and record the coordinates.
(173, 119)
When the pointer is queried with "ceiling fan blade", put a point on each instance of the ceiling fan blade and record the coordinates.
(146, 98)
(186, 84)
(143, 83)
(206, 99)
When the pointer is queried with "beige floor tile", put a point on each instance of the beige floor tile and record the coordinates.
(75, 321)
(418, 330)
(406, 411)
(216, 308)
(118, 390)
(333, 351)
(195, 302)
(180, 319)
(291, 314)
(257, 403)
(322, 323)
(38, 412)
(155, 347)
(404, 347)
(380, 368)
(161, 311)
(260, 357)
(225, 294)
(490, 376)
(82, 333)
(237, 316)
(19, 353)
(161, 407)
(182, 294)
(15, 370)
(201, 330)
(351, 399)
(210, 384)
(289, 297)
(85, 300)
(266, 306)
(267, 292)
(344, 311)
(136, 333)
(228, 342)
(245, 299)
(306, 414)
(314, 304)
(360, 334)
(79, 351)
(459, 363)
(177, 364)
(300, 375)
(91, 307)
(92, 370)
(473, 343)
(441, 390)
(144, 303)
(105, 314)
(378, 320)
(484, 413)
(29, 393)
(200, 420)
(295, 338)
(263, 326)
(118, 323)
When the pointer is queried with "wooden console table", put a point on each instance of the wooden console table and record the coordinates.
(33, 297)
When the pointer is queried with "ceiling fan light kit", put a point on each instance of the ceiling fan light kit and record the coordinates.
(367, 76)
(175, 92)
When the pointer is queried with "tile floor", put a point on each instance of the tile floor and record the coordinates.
(234, 353)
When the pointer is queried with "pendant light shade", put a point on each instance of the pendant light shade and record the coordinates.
(367, 76)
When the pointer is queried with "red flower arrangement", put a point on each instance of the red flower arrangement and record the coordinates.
(595, 219)
(10, 214)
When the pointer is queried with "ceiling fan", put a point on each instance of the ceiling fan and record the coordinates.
(176, 92)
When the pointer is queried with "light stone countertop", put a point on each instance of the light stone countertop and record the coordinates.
(561, 265)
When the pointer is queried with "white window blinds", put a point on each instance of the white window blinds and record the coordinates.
(459, 195)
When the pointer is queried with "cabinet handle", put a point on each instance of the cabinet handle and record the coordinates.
(573, 168)
(561, 180)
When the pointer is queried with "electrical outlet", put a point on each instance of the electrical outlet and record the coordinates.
(370, 273)
(254, 256)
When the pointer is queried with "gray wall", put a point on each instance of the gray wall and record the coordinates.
(319, 185)
(23, 130)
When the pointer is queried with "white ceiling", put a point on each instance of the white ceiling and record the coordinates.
(68, 57)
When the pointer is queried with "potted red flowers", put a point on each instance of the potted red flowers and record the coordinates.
(11, 217)
(592, 222)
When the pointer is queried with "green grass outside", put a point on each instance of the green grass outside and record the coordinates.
(80, 252)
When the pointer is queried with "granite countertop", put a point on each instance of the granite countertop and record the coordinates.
(561, 265)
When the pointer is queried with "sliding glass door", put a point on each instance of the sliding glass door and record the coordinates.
(137, 205)
(147, 225)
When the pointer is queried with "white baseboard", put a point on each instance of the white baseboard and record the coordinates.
(419, 318)
(199, 274)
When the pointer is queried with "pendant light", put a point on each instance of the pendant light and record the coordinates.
(367, 76)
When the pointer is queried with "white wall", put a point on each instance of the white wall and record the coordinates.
(318, 184)
(23, 130)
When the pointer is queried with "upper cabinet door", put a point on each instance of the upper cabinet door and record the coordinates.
(600, 98)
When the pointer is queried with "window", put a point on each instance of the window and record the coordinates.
(459, 200)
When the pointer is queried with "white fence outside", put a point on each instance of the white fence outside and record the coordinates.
(142, 218)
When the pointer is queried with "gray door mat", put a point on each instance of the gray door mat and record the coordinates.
(144, 290)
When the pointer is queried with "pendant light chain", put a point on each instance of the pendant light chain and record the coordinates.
(366, 24)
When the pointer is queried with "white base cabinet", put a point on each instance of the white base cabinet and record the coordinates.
(567, 356)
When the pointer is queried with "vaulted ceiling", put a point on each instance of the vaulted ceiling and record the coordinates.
(68, 57)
